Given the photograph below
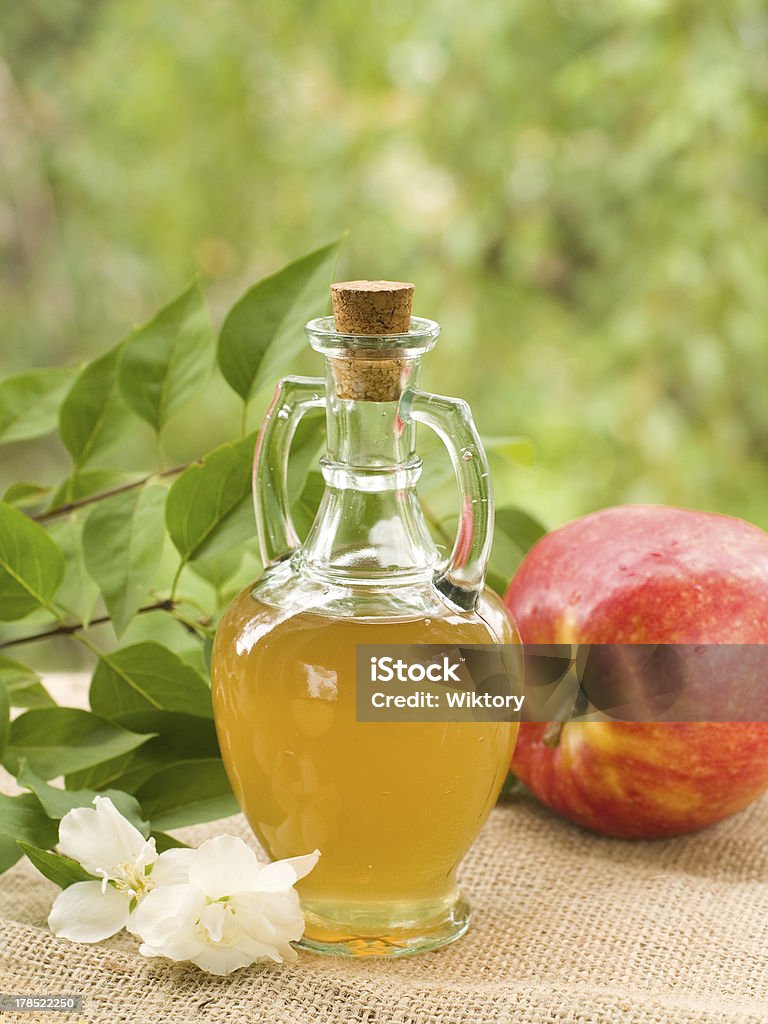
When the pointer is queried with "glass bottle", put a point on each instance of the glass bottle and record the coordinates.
(392, 806)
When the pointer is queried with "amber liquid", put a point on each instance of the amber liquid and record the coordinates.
(393, 807)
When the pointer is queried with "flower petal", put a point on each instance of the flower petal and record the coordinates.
(224, 865)
(83, 913)
(272, 917)
(268, 923)
(282, 874)
(222, 959)
(262, 950)
(166, 920)
(172, 867)
(102, 838)
(212, 919)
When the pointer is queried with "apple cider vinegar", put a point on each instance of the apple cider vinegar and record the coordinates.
(393, 806)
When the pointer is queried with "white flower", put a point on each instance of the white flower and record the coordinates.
(216, 906)
(232, 911)
(107, 845)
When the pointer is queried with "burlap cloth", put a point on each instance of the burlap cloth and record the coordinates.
(567, 927)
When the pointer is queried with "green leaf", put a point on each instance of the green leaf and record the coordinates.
(186, 794)
(437, 471)
(165, 842)
(498, 579)
(208, 653)
(57, 802)
(88, 482)
(167, 361)
(29, 403)
(147, 677)
(219, 567)
(24, 494)
(93, 416)
(514, 789)
(22, 817)
(132, 524)
(265, 328)
(179, 738)
(31, 565)
(5, 717)
(234, 531)
(194, 655)
(57, 741)
(514, 534)
(208, 496)
(522, 529)
(306, 446)
(23, 685)
(78, 592)
(513, 448)
(438, 475)
(237, 528)
(62, 871)
(304, 509)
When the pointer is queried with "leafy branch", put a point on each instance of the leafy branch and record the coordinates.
(92, 499)
(67, 628)
(107, 546)
(199, 626)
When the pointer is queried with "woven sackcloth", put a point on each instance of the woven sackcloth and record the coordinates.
(567, 927)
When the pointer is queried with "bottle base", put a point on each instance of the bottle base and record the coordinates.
(331, 937)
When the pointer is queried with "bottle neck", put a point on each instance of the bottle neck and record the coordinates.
(369, 526)
(368, 435)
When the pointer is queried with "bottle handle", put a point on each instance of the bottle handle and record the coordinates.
(294, 396)
(462, 578)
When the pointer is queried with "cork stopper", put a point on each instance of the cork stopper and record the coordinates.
(371, 308)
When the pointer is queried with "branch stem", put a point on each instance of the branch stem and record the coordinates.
(68, 629)
(91, 499)
(199, 627)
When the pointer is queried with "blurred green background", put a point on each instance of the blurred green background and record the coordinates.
(578, 189)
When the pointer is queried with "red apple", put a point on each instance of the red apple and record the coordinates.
(650, 575)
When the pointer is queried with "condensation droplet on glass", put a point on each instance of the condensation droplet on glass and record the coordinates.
(427, 622)
(283, 414)
(467, 456)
